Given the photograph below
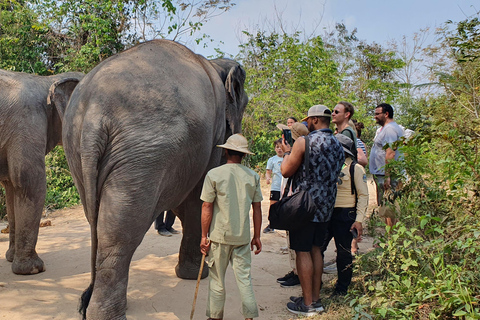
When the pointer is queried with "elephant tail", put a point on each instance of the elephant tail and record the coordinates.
(84, 300)
(92, 152)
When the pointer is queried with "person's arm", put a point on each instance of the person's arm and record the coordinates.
(257, 225)
(291, 162)
(268, 176)
(361, 157)
(362, 198)
(389, 156)
(207, 214)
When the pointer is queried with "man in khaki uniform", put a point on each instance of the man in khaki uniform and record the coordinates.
(228, 192)
(349, 212)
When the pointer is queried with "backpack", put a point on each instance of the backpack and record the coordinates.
(352, 181)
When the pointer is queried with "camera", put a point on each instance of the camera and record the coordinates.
(287, 134)
(354, 233)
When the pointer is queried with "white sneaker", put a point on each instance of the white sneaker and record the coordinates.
(164, 232)
(331, 269)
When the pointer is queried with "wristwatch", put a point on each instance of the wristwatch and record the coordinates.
(286, 153)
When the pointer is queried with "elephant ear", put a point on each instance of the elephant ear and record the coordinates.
(236, 97)
(59, 94)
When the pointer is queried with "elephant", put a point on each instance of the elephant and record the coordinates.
(29, 129)
(140, 132)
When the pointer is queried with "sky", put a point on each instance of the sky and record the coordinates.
(377, 21)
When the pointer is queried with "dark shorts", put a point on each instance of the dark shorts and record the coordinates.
(275, 195)
(312, 234)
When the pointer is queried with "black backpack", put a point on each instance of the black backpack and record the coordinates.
(352, 181)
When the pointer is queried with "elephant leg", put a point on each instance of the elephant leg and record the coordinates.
(190, 257)
(9, 193)
(28, 204)
(120, 231)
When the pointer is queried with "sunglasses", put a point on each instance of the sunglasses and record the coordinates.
(336, 111)
(377, 114)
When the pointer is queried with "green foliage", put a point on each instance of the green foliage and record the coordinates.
(3, 204)
(285, 77)
(47, 36)
(22, 38)
(82, 34)
(367, 70)
(427, 265)
(61, 191)
(464, 39)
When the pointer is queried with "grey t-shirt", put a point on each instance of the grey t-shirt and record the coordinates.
(390, 133)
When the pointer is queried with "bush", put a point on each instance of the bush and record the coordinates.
(427, 266)
(61, 191)
(3, 204)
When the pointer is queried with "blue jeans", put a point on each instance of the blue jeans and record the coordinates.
(339, 229)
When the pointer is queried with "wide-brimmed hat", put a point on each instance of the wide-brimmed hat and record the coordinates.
(318, 111)
(298, 129)
(346, 143)
(236, 142)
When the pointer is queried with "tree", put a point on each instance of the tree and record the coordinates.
(286, 76)
(21, 38)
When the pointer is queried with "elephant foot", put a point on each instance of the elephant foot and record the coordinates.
(28, 266)
(10, 254)
(190, 271)
(96, 314)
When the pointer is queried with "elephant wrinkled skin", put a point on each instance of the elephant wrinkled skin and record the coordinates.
(140, 132)
(29, 129)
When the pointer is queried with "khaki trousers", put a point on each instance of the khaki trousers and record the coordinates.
(220, 256)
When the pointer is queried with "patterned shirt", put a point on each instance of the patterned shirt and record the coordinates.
(326, 160)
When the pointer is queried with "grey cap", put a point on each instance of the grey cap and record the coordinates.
(346, 143)
(318, 111)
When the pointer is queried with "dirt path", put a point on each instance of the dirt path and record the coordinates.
(154, 292)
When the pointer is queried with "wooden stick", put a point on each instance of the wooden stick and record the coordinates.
(198, 284)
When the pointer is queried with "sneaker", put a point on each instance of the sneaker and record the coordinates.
(173, 231)
(331, 269)
(293, 281)
(301, 309)
(268, 230)
(329, 263)
(164, 232)
(286, 277)
(317, 305)
(338, 294)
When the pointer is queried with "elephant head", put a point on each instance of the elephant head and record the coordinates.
(233, 76)
(57, 100)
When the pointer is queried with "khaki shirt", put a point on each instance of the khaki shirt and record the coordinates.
(232, 188)
(345, 198)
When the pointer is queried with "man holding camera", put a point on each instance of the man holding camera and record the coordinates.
(326, 159)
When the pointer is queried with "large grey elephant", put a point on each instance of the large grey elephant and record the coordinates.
(140, 132)
(29, 129)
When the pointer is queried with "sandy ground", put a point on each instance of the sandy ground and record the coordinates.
(154, 292)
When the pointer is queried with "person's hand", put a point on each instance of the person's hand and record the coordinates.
(204, 245)
(257, 243)
(386, 183)
(358, 225)
(285, 146)
(269, 180)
